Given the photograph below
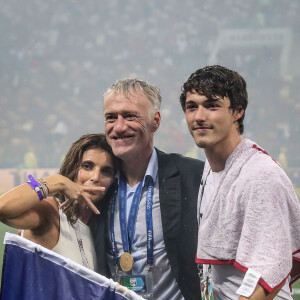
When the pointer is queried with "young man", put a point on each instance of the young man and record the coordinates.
(248, 212)
(152, 223)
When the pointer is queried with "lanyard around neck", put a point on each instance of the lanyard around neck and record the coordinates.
(128, 230)
(80, 245)
(203, 183)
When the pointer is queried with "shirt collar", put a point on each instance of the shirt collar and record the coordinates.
(152, 168)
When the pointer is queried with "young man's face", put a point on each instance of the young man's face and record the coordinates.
(128, 126)
(210, 121)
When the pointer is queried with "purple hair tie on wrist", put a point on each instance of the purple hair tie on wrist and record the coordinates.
(35, 186)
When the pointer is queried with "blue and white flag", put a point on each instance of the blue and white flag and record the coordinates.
(33, 272)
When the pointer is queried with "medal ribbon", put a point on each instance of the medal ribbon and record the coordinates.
(149, 202)
(127, 232)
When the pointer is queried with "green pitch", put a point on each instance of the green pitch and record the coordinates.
(3, 229)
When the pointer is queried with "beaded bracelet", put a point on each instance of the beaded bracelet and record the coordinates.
(43, 188)
(46, 185)
(35, 186)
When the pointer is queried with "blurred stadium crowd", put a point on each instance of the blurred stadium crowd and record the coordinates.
(58, 57)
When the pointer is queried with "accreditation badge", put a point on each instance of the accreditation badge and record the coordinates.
(136, 283)
(206, 285)
(140, 284)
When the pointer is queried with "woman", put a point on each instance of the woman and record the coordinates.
(38, 206)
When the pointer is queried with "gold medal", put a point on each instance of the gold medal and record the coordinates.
(126, 262)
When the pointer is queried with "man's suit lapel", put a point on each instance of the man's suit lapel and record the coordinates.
(170, 203)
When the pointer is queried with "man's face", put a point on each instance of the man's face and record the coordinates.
(128, 127)
(211, 121)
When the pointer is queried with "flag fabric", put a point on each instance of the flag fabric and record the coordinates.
(32, 272)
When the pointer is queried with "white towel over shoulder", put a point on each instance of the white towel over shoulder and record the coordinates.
(253, 218)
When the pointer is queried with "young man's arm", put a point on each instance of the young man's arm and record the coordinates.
(261, 294)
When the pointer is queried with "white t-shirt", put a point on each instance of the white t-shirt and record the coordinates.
(226, 279)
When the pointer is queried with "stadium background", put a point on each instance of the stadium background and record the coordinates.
(58, 57)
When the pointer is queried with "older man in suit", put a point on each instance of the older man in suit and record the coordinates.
(151, 221)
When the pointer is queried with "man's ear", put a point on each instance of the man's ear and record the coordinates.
(238, 113)
(156, 121)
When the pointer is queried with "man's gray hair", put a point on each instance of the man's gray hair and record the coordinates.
(129, 85)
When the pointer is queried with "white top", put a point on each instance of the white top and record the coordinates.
(67, 244)
(226, 279)
(164, 282)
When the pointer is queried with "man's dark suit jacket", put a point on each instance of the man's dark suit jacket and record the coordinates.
(179, 180)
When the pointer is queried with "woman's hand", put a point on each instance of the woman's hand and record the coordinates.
(75, 192)
(82, 195)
